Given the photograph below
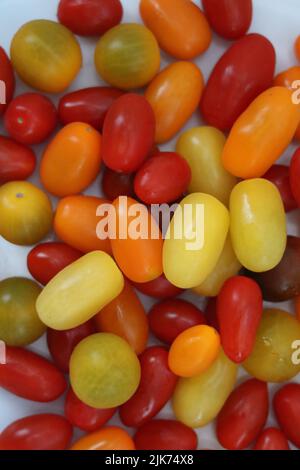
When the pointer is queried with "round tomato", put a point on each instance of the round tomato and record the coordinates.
(231, 19)
(159, 288)
(117, 184)
(17, 162)
(287, 410)
(109, 438)
(161, 434)
(271, 439)
(7, 77)
(280, 176)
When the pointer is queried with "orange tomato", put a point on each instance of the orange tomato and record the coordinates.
(261, 134)
(125, 316)
(108, 438)
(180, 27)
(72, 160)
(286, 79)
(297, 305)
(75, 223)
(174, 95)
(139, 258)
(194, 350)
(297, 47)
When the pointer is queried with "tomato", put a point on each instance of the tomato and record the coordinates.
(174, 95)
(211, 314)
(287, 79)
(231, 19)
(77, 288)
(26, 213)
(83, 416)
(202, 148)
(171, 317)
(188, 260)
(46, 55)
(279, 175)
(90, 17)
(294, 176)
(30, 118)
(244, 415)
(127, 56)
(37, 432)
(88, 105)
(165, 434)
(162, 178)
(271, 439)
(271, 359)
(160, 288)
(17, 162)
(31, 376)
(104, 371)
(125, 316)
(287, 409)
(19, 322)
(62, 343)
(8, 78)
(297, 47)
(128, 133)
(117, 184)
(170, 20)
(109, 438)
(242, 73)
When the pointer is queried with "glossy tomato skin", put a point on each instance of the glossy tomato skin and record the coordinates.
(242, 73)
(159, 288)
(166, 434)
(271, 439)
(37, 432)
(117, 184)
(294, 176)
(280, 176)
(155, 389)
(108, 438)
(17, 162)
(90, 17)
(286, 404)
(7, 76)
(31, 376)
(243, 416)
(231, 19)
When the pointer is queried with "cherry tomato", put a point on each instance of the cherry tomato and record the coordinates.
(37, 432)
(279, 175)
(17, 162)
(242, 73)
(159, 288)
(8, 78)
(244, 415)
(272, 439)
(31, 376)
(90, 17)
(165, 434)
(155, 389)
(294, 176)
(117, 184)
(110, 438)
(231, 19)
(287, 409)
(30, 118)
(297, 47)
(46, 55)
(211, 314)
(287, 79)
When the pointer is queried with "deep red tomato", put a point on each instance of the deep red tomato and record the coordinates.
(287, 409)
(231, 19)
(161, 434)
(37, 432)
(117, 184)
(211, 313)
(242, 73)
(90, 17)
(280, 176)
(295, 176)
(243, 416)
(128, 133)
(156, 388)
(83, 416)
(62, 343)
(88, 105)
(171, 317)
(271, 439)
(17, 162)
(8, 78)
(239, 310)
(160, 288)
(31, 376)
(46, 260)
(30, 118)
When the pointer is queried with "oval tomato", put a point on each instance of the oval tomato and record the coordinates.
(159, 288)
(109, 438)
(17, 162)
(165, 434)
(231, 19)
(271, 439)
(287, 409)
(8, 78)
(294, 176)
(280, 176)
(117, 184)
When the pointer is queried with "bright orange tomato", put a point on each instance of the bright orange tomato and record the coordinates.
(286, 79)
(174, 95)
(109, 438)
(297, 47)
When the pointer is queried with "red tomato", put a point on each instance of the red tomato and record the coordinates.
(242, 73)
(156, 388)
(171, 317)
(231, 19)
(47, 259)
(271, 439)
(31, 376)
(239, 310)
(286, 404)
(17, 162)
(161, 434)
(211, 313)
(83, 416)
(243, 416)
(88, 105)
(160, 288)
(8, 78)
(90, 17)
(117, 184)
(280, 176)
(295, 176)
(62, 343)
(30, 118)
(128, 133)
(37, 432)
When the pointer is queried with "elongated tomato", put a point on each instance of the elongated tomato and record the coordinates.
(109, 438)
(165, 434)
(231, 19)
(8, 78)
(287, 409)
(272, 439)
(17, 162)
(280, 176)
(159, 288)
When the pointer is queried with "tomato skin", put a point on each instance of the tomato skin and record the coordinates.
(17, 162)
(280, 176)
(108, 438)
(161, 434)
(297, 47)
(287, 79)
(231, 19)
(211, 313)
(286, 405)
(37, 432)
(117, 184)
(7, 76)
(155, 389)
(31, 376)
(272, 439)
(294, 176)
(243, 416)
(242, 73)
(159, 288)
(90, 17)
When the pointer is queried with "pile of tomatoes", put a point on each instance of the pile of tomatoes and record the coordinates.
(83, 291)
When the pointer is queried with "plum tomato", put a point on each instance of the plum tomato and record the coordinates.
(231, 19)
(17, 162)
(271, 439)
(165, 434)
(295, 175)
(108, 438)
(286, 405)
(7, 78)
(280, 176)
(159, 288)
(117, 184)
